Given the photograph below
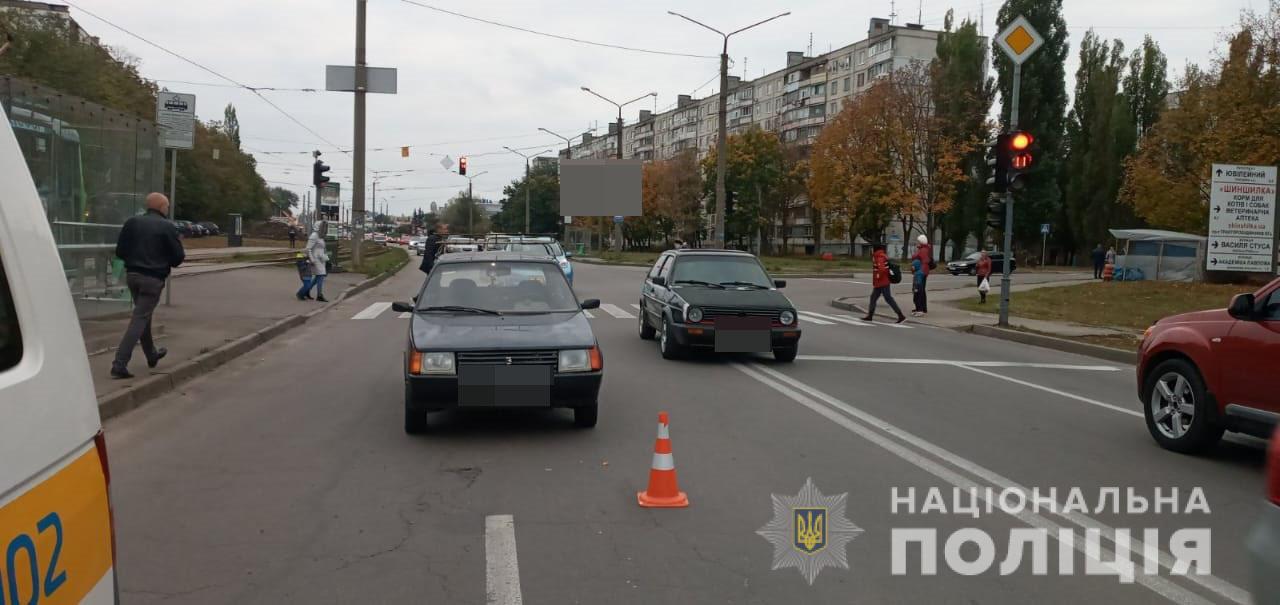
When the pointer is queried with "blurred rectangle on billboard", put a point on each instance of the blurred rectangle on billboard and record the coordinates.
(597, 187)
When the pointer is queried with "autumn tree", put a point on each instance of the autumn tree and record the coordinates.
(671, 195)
(753, 173)
(1229, 113)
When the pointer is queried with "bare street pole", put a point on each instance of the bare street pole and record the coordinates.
(722, 136)
(617, 227)
(357, 180)
(527, 184)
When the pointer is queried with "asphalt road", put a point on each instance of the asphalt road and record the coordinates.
(286, 476)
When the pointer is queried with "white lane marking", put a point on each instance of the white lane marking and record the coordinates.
(821, 322)
(840, 281)
(635, 306)
(1114, 408)
(814, 317)
(858, 322)
(949, 362)
(372, 311)
(829, 406)
(616, 311)
(588, 314)
(501, 566)
(405, 315)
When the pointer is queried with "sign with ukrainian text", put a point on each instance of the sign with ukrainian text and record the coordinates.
(1242, 218)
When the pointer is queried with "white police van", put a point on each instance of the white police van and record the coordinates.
(57, 543)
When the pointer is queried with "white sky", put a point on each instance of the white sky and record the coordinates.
(463, 81)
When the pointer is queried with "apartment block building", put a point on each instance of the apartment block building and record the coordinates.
(794, 101)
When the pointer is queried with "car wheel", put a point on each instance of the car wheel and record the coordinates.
(667, 342)
(646, 331)
(1177, 408)
(584, 417)
(786, 355)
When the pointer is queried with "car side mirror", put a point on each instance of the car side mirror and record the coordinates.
(779, 283)
(1242, 306)
(591, 303)
(659, 281)
(403, 307)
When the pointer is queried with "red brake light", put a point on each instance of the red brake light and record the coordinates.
(1273, 469)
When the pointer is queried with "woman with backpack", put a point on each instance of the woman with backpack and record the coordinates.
(880, 282)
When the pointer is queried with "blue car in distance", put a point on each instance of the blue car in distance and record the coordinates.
(542, 246)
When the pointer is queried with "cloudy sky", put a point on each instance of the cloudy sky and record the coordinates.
(469, 88)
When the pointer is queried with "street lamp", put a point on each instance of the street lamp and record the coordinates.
(722, 136)
(526, 181)
(568, 141)
(471, 207)
(619, 106)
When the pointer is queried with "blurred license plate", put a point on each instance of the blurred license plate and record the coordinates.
(504, 386)
(743, 335)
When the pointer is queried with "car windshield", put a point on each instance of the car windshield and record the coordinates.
(529, 248)
(974, 256)
(720, 270)
(556, 250)
(506, 287)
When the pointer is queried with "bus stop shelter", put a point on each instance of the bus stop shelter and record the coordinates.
(1159, 255)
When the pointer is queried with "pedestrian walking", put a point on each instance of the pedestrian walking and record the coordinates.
(924, 253)
(880, 282)
(293, 237)
(304, 273)
(1110, 258)
(319, 260)
(150, 248)
(1099, 258)
(983, 269)
(429, 250)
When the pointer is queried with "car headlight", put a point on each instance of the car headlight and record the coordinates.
(431, 363)
(579, 360)
(695, 315)
(787, 318)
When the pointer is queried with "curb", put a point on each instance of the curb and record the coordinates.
(1050, 342)
(119, 402)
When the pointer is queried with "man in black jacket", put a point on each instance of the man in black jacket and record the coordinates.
(149, 247)
(429, 250)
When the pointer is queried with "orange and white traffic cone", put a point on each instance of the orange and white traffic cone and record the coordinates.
(663, 491)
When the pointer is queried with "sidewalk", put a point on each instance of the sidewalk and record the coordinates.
(208, 310)
(945, 315)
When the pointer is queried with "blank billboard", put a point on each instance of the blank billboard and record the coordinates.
(600, 187)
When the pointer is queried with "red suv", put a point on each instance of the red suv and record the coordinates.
(1205, 372)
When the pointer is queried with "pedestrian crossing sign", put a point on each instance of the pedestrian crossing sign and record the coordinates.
(1019, 40)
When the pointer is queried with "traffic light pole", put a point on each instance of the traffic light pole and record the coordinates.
(1008, 207)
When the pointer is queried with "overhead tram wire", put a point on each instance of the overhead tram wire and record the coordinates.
(252, 88)
(211, 71)
(558, 36)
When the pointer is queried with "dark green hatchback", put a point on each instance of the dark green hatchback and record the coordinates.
(716, 300)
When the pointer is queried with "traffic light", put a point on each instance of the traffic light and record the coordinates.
(995, 211)
(462, 165)
(1020, 148)
(318, 177)
(998, 163)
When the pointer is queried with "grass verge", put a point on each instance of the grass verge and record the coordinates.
(1126, 305)
(220, 241)
(376, 263)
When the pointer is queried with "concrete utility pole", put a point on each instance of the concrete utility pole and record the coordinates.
(471, 199)
(722, 136)
(357, 180)
(527, 184)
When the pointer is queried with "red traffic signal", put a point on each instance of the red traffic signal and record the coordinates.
(1020, 141)
(1022, 161)
(462, 165)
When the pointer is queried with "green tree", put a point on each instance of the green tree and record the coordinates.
(1042, 109)
(963, 94)
(461, 212)
(753, 174)
(1147, 85)
(1100, 135)
(209, 189)
(282, 200)
(231, 124)
(543, 184)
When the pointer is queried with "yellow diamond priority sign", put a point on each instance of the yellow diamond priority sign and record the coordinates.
(1019, 40)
